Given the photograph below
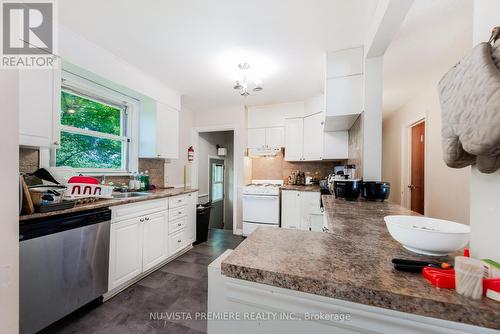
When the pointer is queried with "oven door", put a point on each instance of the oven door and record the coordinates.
(261, 209)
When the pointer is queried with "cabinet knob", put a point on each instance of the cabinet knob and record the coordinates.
(147, 218)
(179, 224)
(141, 220)
(179, 240)
(57, 142)
(180, 212)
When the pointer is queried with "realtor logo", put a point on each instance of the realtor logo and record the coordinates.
(28, 34)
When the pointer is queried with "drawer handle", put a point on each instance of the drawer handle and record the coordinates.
(179, 212)
(179, 200)
(141, 220)
(179, 240)
(147, 218)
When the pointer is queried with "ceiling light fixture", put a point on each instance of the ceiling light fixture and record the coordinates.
(242, 85)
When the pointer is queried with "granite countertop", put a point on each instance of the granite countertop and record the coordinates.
(352, 262)
(104, 203)
(311, 187)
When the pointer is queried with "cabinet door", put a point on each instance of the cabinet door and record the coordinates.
(344, 95)
(336, 145)
(290, 209)
(256, 138)
(294, 137)
(167, 132)
(310, 209)
(344, 62)
(155, 238)
(191, 222)
(275, 137)
(36, 108)
(314, 136)
(125, 256)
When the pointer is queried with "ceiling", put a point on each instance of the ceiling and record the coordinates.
(194, 46)
(432, 34)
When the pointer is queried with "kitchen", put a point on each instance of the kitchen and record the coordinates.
(327, 122)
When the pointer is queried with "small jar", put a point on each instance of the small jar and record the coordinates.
(469, 277)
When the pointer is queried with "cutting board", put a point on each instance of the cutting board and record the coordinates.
(28, 207)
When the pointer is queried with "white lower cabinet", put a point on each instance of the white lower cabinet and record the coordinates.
(155, 238)
(125, 256)
(290, 209)
(301, 210)
(147, 234)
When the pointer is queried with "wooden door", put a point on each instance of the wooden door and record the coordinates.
(417, 167)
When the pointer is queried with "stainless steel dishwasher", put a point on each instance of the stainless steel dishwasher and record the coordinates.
(63, 266)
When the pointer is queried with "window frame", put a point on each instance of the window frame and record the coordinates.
(89, 89)
(213, 171)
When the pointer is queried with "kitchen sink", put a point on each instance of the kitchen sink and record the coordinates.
(130, 194)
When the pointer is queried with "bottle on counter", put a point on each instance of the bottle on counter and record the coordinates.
(142, 183)
(131, 182)
(146, 180)
(137, 181)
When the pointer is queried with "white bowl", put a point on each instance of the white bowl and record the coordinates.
(428, 236)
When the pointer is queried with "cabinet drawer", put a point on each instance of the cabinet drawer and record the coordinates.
(175, 213)
(177, 201)
(177, 225)
(127, 211)
(177, 241)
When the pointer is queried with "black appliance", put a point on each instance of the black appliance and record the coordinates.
(376, 190)
(348, 189)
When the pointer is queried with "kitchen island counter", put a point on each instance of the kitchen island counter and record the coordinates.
(353, 263)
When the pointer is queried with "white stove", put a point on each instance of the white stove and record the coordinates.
(261, 205)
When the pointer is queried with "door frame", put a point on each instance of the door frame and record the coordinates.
(406, 162)
(238, 166)
(209, 188)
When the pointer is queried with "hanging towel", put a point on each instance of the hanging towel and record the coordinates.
(470, 107)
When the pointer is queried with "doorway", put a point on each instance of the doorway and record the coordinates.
(216, 191)
(417, 168)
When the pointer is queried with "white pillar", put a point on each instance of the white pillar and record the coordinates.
(485, 188)
(372, 119)
(9, 203)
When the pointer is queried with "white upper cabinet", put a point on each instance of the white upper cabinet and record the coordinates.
(343, 63)
(168, 132)
(159, 131)
(39, 107)
(336, 145)
(314, 136)
(256, 138)
(294, 139)
(275, 137)
(266, 137)
(344, 95)
(344, 91)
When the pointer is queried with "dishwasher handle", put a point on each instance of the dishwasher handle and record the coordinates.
(49, 225)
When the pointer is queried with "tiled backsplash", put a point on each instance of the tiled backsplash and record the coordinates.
(29, 162)
(276, 168)
(356, 146)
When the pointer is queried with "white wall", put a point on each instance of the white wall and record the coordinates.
(174, 169)
(9, 203)
(485, 189)
(446, 189)
(94, 60)
(227, 118)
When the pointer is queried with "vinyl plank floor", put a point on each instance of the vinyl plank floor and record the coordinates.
(179, 286)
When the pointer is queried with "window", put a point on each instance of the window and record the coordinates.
(217, 182)
(95, 124)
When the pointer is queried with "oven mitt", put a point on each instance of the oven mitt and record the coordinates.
(470, 108)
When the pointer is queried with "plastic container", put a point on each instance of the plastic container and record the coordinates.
(469, 277)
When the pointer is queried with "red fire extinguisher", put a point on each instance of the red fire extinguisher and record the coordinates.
(190, 153)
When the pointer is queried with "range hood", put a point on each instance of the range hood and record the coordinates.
(264, 152)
